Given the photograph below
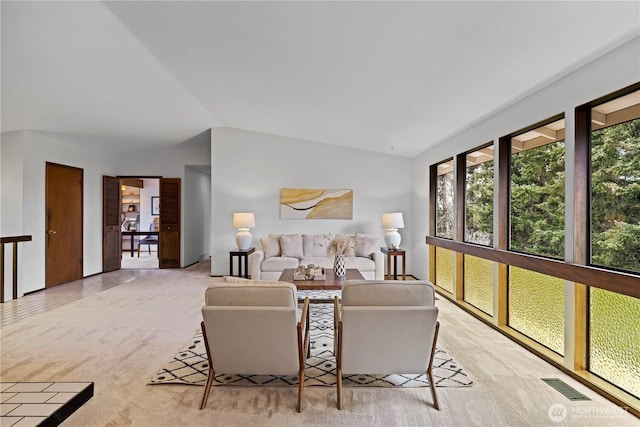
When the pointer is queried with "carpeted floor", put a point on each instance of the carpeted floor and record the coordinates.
(118, 337)
(190, 365)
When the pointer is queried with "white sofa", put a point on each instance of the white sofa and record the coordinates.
(278, 252)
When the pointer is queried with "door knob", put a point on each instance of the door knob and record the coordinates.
(51, 232)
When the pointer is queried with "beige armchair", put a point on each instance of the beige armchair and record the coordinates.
(255, 329)
(386, 327)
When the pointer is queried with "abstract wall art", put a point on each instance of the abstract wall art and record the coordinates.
(309, 203)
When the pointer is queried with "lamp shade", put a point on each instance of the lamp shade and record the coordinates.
(244, 220)
(392, 220)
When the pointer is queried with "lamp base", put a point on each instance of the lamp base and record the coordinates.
(243, 239)
(392, 238)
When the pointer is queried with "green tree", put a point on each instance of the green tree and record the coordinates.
(479, 204)
(615, 196)
(537, 200)
(444, 206)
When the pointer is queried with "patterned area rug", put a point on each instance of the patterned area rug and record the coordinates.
(190, 365)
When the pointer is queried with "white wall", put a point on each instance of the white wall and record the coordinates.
(151, 189)
(171, 163)
(37, 149)
(615, 70)
(11, 167)
(23, 156)
(197, 199)
(248, 169)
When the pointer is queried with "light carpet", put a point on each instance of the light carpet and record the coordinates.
(190, 365)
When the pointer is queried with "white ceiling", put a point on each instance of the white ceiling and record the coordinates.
(390, 77)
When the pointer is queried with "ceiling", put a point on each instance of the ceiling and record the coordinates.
(389, 77)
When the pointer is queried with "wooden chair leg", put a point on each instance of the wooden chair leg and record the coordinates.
(300, 391)
(432, 386)
(339, 387)
(207, 388)
(339, 363)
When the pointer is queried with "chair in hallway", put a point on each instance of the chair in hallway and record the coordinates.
(148, 240)
(386, 327)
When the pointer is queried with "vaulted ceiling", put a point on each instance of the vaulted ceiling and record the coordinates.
(389, 77)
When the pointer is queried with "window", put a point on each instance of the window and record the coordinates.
(444, 200)
(478, 205)
(537, 191)
(615, 183)
(614, 319)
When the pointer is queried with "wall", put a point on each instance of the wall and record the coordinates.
(197, 200)
(24, 155)
(171, 162)
(248, 169)
(37, 149)
(11, 155)
(151, 189)
(615, 70)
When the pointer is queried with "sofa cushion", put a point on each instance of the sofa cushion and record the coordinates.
(234, 279)
(320, 261)
(364, 244)
(316, 245)
(271, 246)
(278, 263)
(361, 263)
(291, 245)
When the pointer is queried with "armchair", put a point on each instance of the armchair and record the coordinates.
(255, 329)
(386, 327)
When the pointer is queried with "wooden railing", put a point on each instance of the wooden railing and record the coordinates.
(610, 280)
(15, 240)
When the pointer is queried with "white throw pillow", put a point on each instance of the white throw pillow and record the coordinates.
(316, 245)
(271, 246)
(365, 244)
(350, 244)
(291, 245)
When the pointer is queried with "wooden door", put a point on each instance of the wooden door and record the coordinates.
(111, 236)
(169, 239)
(63, 224)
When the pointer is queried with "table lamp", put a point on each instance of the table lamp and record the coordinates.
(243, 221)
(392, 221)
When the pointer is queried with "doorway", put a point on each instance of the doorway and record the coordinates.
(140, 212)
(64, 224)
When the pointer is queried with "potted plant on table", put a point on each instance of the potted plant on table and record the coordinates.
(339, 247)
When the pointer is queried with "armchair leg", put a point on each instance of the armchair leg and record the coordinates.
(207, 388)
(432, 386)
(300, 391)
(339, 386)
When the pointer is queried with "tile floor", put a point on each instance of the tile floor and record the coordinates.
(41, 404)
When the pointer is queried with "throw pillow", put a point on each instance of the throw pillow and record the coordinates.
(365, 244)
(271, 246)
(291, 245)
(316, 245)
(350, 252)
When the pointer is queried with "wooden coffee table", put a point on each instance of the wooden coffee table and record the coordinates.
(330, 283)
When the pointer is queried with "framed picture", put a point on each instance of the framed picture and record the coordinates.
(310, 203)
(155, 205)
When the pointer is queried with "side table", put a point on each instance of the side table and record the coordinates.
(242, 254)
(394, 253)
